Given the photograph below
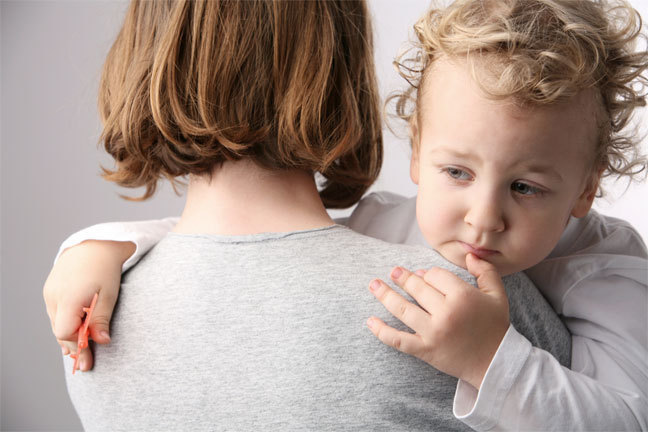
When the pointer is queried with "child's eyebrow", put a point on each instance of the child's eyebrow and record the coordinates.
(542, 169)
(453, 152)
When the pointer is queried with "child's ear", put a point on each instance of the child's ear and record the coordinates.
(414, 141)
(585, 200)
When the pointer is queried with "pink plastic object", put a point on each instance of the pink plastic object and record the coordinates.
(83, 333)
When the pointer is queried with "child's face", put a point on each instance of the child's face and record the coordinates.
(494, 179)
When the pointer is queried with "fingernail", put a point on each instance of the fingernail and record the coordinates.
(396, 273)
(104, 335)
(374, 285)
(370, 322)
(64, 350)
(83, 364)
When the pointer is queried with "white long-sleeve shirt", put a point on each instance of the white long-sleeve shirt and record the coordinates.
(596, 279)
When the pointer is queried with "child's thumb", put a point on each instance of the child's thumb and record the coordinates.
(489, 280)
(100, 320)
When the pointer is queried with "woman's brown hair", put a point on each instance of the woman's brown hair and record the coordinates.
(190, 84)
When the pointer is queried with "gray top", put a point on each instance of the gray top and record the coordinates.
(267, 332)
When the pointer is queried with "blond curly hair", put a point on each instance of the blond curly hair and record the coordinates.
(543, 52)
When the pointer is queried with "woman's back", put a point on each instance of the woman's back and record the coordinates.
(268, 331)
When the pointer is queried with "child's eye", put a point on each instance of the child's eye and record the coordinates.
(457, 173)
(525, 189)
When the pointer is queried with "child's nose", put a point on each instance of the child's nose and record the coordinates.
(485, 214)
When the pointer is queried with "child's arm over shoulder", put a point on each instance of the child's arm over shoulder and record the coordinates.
(91, 261)
(526, 388)
(143, 234)
(596, 279)
(505, 383)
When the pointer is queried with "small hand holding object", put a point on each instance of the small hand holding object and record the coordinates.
(79, 273)
(83, 333)
(458, 327)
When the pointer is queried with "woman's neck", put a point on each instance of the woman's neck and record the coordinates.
(243, 198)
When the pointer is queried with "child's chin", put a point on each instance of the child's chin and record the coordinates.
(508, 269)
(457, 259)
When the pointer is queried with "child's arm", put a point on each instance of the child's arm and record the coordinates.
(526, 388)
(520, 387)
(143, 234)
(605, 389)
(91, 261)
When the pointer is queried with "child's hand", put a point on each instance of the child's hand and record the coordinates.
(81, 271)
(458, 327)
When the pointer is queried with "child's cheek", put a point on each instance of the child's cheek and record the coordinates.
(432, 216)
(535, 239)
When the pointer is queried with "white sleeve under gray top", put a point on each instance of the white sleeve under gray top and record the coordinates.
(267, 332)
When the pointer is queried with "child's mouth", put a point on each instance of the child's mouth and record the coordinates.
(479, 251)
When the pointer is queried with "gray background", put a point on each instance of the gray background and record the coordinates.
(51, 56)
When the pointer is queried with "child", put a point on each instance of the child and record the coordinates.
(543, 128)
(483, 190)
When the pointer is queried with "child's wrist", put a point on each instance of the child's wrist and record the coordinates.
(121, 250)
(477, 371)
(126, 250)
(476, 375)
